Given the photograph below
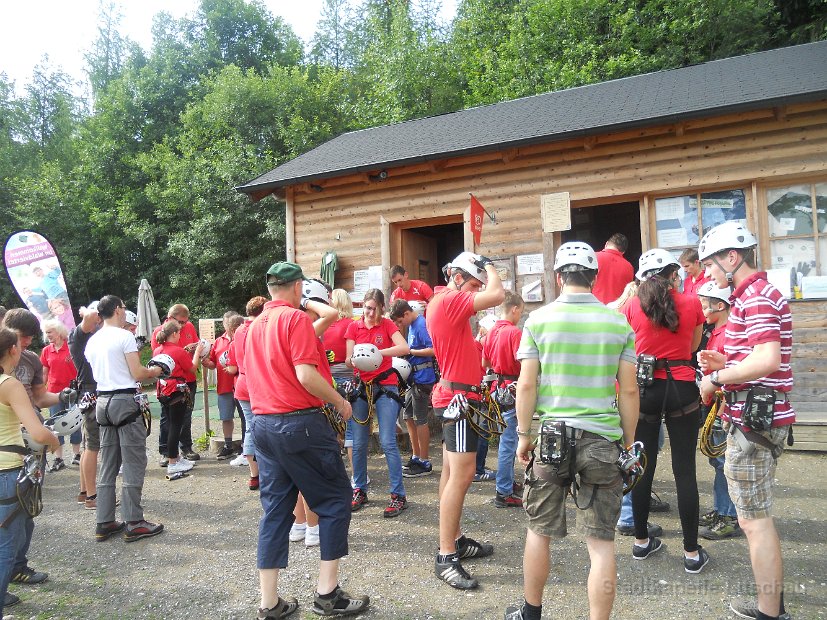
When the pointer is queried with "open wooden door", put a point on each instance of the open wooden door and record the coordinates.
(419, 256)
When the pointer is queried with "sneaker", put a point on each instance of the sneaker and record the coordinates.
(186, 461)
(485, 476)
(253, 485)
(453, 573)
(395, 507)
(629, 530)
(104, 530)
(82, 497)
(76, 459)
(311, 537)
(28, 575)
(411, 462)
(10, 600)
(641, 553)
(284, 607)
(298, 532)
(426, 465)
(57, 465)
(360, 498)
(708, 519)
(91, 502)
(192, 456)
(225, 452)
(656, 504)
(749, 609)
(507, 501)
(696, 565)
(724, 527)
(416, 470)
(239, 461)
(470, 548)
(341, 604)
(180, 467)
(163, 462)
(142, 529)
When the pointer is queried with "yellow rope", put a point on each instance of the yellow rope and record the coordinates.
(708, 448)
(371, 406)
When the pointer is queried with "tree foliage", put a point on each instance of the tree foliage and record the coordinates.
(138, 182)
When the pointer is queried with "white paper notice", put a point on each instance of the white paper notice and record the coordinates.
(668, 208)
(533, 292)
(556, 212)
(530, 263)
(672, 237)
(360, 282)
(787, 223)
(375, 277)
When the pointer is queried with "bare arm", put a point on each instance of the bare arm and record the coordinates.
(400, 347)
(327, 315)
(429, 352)
(493, 294)
(14, 394)
(526, 405)
(42, 397)
(628, 401)
(133, 360)
(696, 337)
(764, 360)
(349, 344)
(314, 383)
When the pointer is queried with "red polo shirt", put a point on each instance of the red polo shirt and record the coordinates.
(223, 382)
(692, 285)
(61, 368)
(188, 335)
(380, 335)
(663, 344)
(334, 339)
(614, 273)
(280, 339)
(759, 314)
(237, 360)
(418, 291)
(500, 348)
(454, 346)
(184, 370)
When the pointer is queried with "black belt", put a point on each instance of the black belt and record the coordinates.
(459, 387)
(663, 364)
(739, 397)
(132, 391)
(503, 377)
(310, 411)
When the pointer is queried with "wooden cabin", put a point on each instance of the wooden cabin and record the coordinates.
(660, 157)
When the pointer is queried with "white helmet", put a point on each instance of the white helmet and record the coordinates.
(206, 346)
(224, 358)
(66, 422)
(366, 357)
(726, 236)
(403, 367)
(166, 363)
(575, 256)
(654, 261)
(710, 289)
(315, 290)
(418, 307)
(466, 262)
(131, 318)
(31, 443)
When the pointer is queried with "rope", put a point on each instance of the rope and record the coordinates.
(334, 418)
(708, 448)
(368, 387)
(492, 415)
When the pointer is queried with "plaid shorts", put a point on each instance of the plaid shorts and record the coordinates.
(750, 475)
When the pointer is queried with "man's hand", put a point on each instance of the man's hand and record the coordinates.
(707, 389)
(345, 410)
(525, 447)
(482, 261)
(190, 348)
(67, 396)
(711, 360)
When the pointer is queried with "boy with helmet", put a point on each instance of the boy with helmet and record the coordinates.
(559, 340)
(755, 373)
(456, 354)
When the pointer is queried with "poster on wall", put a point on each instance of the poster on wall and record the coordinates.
(35, 272)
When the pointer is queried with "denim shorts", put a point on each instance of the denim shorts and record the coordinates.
(417, 403)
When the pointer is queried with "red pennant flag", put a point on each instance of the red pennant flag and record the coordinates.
(477, 211)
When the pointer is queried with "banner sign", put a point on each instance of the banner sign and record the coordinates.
(35, 272)
(476, 219)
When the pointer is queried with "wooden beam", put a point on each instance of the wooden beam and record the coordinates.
(510, 155)
(385, 233)
(589, 143)
(780, 113)
(679, 129)
(290, 226)
(437, 166)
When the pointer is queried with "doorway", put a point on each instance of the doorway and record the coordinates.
(594, 225)
(424, 249)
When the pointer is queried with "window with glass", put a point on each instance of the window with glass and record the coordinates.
(681, 221)
(797, 218)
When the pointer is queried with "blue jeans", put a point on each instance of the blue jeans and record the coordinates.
(505, 454)
(75, 438)
(387, 410)
(249, 447)
(721, 501)
(15, 537)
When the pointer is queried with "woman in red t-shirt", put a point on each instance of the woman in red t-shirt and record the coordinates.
(58, 372)
(374, 329)
(174, 405)
(668, 326)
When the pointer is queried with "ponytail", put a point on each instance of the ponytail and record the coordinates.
(169, 328)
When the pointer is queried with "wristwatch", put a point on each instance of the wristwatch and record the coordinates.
(713, 377)
(523, 433)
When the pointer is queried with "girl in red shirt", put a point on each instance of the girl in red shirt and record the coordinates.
(174, 405)
(668, 326)
(58, 372)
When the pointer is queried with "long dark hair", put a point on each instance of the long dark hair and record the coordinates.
(656, 300)
(8, 338)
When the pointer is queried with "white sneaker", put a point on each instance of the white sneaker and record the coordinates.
(311, 537)
(297, 532)
(239, 461)
(191, 464)
(180, 467)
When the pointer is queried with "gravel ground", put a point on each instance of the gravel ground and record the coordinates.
(203, 565)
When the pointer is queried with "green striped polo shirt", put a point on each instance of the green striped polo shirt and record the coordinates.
(580, 343)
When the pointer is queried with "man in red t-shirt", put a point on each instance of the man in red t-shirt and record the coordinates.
(456, 354)
(614, 271)
(407, 289)
(695, 274)
(755, 367)
(295, 444)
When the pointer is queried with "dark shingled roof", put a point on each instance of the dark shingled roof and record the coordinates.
(760, 80)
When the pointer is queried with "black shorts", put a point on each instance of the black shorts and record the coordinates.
(458, 435)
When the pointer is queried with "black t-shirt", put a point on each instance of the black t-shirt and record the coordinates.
(77, 344)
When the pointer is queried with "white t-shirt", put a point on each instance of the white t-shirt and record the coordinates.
(106, 352)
